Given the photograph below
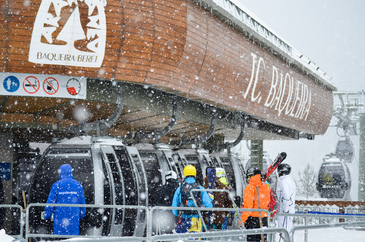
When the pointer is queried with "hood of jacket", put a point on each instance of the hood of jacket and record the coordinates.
(66, 171)
(255, 180)
(283, 177)
(190, 179)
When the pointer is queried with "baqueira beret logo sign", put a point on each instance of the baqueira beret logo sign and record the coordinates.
(70, 33)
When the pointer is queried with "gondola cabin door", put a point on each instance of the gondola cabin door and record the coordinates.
(117, 190)
(135, 190)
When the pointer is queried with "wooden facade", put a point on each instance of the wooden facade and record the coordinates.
(175, 46)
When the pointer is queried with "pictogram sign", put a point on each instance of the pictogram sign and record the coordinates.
(73, 86)
(11, 84)
(41, 85)
(31, 84)
(51, 85)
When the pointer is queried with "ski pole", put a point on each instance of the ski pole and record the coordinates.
(25, 207)
(238, 217)
(25, 201)
(259, 206)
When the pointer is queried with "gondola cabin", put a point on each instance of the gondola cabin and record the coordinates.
(334, 180)
(157, 159)
(111, 174)
(199, 158)
(345, 149)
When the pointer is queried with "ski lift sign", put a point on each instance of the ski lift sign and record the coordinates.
(5, 171)
(38, 85)
(60, 38)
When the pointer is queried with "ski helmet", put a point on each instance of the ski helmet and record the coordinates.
(284, 169)
(189, 170)
(252, 171)
(170, 175)
(220, 172)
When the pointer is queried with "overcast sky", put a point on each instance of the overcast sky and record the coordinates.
(331, 33)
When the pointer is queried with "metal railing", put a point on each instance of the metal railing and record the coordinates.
(149, 236)
(233, 233)
(240, 233)
(28, 234)
(334, 209)
(220, 209)
(14, 206)
(332, 217)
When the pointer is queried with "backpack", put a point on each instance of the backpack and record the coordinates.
(164, 194)
(186, 197)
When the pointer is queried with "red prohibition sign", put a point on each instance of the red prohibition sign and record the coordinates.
(31, 84)
(50, 85)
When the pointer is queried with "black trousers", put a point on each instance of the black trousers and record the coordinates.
(254, 223)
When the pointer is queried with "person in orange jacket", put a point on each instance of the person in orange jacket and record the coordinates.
(251, 220)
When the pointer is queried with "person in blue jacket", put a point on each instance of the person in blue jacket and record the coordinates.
(189, 221)
(66, 191)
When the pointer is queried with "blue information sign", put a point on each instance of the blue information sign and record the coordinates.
(5, 171)
(11, 84)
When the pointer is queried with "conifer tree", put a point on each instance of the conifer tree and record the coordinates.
(307, 182)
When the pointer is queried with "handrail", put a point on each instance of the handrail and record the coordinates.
(222, 209)
(20, 218)
(238, 210)
(207, 234)
(221, 233)
(337, 215)
(318, 226)
(30, 235)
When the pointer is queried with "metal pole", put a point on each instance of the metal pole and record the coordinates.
(306, 231)
(361, 186)
(257, 153)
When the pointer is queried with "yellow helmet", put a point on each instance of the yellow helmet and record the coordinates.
(189, 170)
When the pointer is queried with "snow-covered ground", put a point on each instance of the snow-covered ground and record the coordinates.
(4, 237)
(331, 235)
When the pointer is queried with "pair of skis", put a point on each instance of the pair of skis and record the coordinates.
(278, 160)
(211, 183)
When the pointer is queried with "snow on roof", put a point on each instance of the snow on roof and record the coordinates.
(86, 140)
(240, 16)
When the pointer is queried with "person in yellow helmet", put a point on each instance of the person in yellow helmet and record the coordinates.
(189, 221)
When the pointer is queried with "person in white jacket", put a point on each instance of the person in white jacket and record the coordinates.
(286, 196)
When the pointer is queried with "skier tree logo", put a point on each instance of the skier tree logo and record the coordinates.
(69, 32)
